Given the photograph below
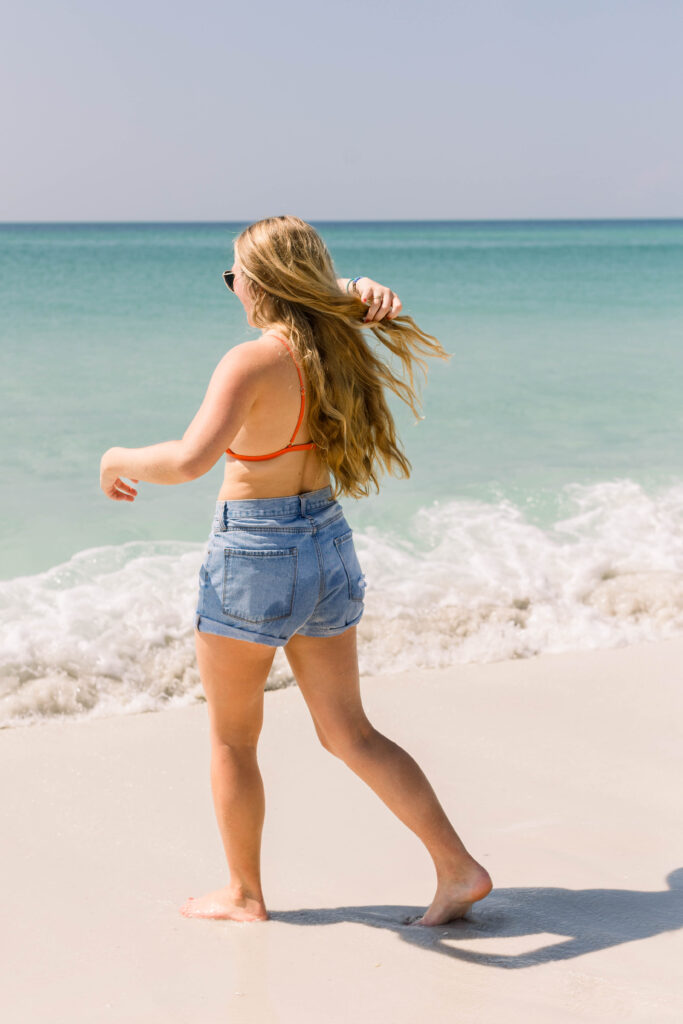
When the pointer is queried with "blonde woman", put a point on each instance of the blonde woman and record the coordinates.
(301, 413)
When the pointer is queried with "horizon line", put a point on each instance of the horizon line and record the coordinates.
(383, 220)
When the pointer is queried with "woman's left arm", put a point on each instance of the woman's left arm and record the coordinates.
(229, 396)
(381, 300)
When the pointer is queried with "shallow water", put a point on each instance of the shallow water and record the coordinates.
(545, 507)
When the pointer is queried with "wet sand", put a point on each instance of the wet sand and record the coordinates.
(561, 773)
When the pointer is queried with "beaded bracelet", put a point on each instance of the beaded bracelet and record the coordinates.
(352, 282)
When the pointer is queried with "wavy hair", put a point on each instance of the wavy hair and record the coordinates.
(293, 283)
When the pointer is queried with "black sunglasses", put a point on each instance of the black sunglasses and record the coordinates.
(229, 279)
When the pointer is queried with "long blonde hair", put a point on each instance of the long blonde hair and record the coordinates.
(293, 283)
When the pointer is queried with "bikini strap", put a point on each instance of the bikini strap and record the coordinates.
(302, 389)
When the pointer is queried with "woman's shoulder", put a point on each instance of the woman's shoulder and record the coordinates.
(255, 356)
(270, 341)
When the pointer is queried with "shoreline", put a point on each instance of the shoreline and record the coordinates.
(558, 771)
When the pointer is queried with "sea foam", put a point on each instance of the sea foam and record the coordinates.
(111, 630)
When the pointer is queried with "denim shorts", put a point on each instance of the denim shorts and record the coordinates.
(279, 566)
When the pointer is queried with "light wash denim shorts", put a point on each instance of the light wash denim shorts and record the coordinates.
(279, 566)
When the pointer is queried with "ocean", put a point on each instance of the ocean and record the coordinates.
(545, 507)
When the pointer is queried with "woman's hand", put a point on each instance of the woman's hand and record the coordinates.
(382, 302)
(110, 481)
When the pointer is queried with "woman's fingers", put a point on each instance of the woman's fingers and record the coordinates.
(120, 491)
(128, 492)
(371, 293)
(396, 307)
(387, 301)
(381, 301)
(386, 304)
(375, 304)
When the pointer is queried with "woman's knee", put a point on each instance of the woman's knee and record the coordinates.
(350, 742)
(322, 737)
(234, 739)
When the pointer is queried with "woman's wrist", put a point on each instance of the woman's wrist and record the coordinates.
(111, 458)
(351, 285)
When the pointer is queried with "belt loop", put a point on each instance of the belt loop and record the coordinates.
(302, 505)
(224, 517)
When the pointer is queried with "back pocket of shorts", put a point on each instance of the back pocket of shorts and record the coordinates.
(258, 586)
(349, 560)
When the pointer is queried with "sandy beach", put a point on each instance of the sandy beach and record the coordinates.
(561, 773)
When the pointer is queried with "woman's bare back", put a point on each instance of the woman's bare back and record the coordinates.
(267, 428)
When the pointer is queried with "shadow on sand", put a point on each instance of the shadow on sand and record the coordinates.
(593, 919)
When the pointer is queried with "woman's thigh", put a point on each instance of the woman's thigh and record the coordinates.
(326, 669)
(233, 674)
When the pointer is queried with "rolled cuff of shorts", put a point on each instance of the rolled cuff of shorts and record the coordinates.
(331, 632)
(205, 625)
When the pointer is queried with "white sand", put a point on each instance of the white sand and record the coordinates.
(562, 774)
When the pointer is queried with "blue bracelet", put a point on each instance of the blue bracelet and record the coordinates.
(355, 279)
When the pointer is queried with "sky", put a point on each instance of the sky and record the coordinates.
(373, 110)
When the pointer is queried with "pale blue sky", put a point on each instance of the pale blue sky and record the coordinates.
(359, 110)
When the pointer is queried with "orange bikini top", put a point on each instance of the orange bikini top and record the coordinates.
(290, 446)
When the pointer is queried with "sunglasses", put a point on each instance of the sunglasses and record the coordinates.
(229, 279)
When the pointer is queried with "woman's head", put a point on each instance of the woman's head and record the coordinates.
(280, 263)
(284, 276)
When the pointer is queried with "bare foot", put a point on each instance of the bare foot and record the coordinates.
(224, 905)
(455, 896)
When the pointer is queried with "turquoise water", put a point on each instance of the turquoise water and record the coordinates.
(550, 445)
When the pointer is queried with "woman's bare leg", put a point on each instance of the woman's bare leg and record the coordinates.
(234, 674)
(326, 670)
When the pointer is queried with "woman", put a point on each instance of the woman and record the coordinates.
(281, 568)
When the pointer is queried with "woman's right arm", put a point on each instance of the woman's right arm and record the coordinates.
(230, 395)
